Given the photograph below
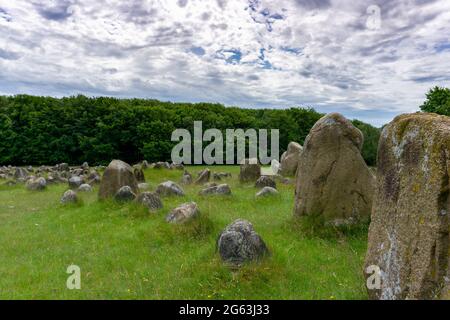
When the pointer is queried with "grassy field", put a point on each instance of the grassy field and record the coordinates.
(124, 252)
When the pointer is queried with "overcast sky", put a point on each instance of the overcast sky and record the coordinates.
(333, 55)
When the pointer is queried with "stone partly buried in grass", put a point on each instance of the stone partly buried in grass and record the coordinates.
(184, 213)
(169, 188)
(117, 175)
(222, 189)
(267, 192)
(239, 243)
(36, 184)
(68, 197)
(151, 200)
(333, 181)
(125, 194)
(265, 181)
(409, 232)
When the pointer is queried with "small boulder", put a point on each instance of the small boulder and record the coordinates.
(183, 213)
(265, 181)
(75, 182)
(125, 194)
(85, 188)
(169, 188)
(222, 189)
(36, 184)
(239, 243)
(151, 200)
(267, 192)
(69, 196)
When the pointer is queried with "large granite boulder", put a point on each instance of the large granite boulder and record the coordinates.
(250, 170)
(239, 243)
(409, 232)
(289, 160)
(333, 181)
(36, 184)
(117, 175)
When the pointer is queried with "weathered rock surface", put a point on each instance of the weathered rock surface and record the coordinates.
(250, 170)
(125, 194)
(203, 176)
(265, 181)
(333, 181)
(36, 184)
(75, 182)
(69, 196)
(409, 231)
(151, 200)
(85, 188)
(169, 188)
(266, 192)
(184, 213)
(117, 175)
(239, 243)
(139, 174)
(223, 189)
(289, 160)
(187, 178)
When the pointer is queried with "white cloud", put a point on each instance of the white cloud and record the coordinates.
(255, 53)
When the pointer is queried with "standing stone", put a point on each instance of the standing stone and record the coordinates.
(265, 181)
(239, 243)
(117, 175)
(187, 178)
(409, 231)
(290, 159)
(169, 188)
(69, 196)
(203, 177)
(139, 174)
(333, 181)
(151, 200)
(184, 213)
(125, 194)
(250, 170)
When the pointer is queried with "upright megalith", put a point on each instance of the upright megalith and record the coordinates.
(290, 159)
(333, 181)
(409, 232)
(117, 175)
(250, 170)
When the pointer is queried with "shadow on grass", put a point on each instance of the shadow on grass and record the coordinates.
(314, 226)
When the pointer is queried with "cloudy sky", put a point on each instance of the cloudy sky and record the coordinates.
(368, 59)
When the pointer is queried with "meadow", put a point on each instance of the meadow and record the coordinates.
(125, 252)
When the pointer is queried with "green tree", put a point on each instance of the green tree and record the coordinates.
(438, 101)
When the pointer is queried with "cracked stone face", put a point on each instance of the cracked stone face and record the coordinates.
(409, 231)
(333, 181)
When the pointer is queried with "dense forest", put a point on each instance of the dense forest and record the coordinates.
(44, 130)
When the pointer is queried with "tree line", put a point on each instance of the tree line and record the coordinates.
(45, 130)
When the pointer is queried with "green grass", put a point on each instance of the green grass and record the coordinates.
(124, 252)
